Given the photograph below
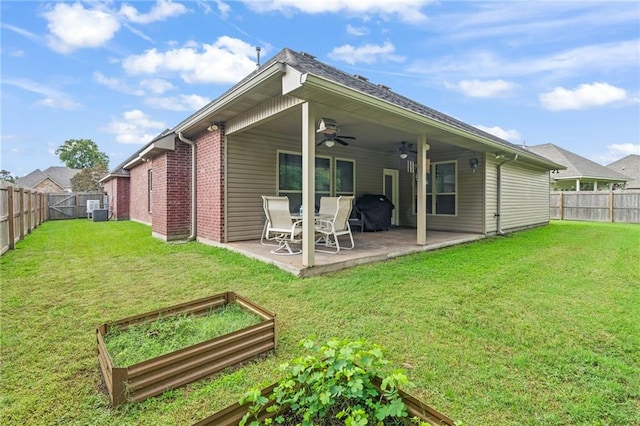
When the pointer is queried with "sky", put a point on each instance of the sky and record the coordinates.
(119, 73)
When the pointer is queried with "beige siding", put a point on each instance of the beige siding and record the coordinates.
(491, 194)
(470, 201)
(251, 173)
(525, 196)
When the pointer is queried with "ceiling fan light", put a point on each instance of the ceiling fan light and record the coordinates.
(329, 143)
(404, 155)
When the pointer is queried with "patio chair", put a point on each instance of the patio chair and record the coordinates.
(329, 230)
(279, 226)
(328, 206)
(327, 211)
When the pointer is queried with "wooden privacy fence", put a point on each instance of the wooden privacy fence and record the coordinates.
(613, 206)
(71, 205)
(21, 211)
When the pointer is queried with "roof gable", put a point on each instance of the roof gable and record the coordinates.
(59, 175)
(628, 166)
(577, 166)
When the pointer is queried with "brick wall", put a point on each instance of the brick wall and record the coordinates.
(138, 192)
(210, 184)
(172, 193)
(117, 190)
(47, 185)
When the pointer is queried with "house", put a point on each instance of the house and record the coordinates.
(628, 166)
(581, 174)
(52, 179)
(301, 128)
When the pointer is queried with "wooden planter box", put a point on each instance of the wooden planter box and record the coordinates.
(232, 415)
(152, 377)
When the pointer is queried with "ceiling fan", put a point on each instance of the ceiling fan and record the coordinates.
(406, 149)
(329, 128)
(330, 139)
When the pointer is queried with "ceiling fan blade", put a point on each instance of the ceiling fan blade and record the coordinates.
(347, 137)
(340, 141)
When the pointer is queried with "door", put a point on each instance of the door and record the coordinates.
(390, 188)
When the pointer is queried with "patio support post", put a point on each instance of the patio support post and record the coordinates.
(308, 184)
(423, 147)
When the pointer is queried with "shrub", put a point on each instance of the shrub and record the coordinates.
(332, 385)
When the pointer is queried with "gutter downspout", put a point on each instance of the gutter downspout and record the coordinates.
(194, 197)
(499, 190)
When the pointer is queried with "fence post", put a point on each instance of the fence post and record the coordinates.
(561, 205)
(12, 225)
(29, 213)
(21, 214)
(611, 206)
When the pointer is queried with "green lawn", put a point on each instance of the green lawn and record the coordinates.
(539, 327)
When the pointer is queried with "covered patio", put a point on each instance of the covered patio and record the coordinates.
(370, 247)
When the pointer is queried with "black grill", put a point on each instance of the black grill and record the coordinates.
(375, 211)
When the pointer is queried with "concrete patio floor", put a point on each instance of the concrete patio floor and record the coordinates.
(369, 247)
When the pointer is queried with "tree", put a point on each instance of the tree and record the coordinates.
(6, 176)
(86, 180)
(81, 154)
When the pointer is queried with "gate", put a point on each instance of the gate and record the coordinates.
(69, 205)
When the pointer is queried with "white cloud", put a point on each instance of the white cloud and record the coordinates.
(223, 8)
(52, 97)
(356, 31)
(487, 64)
(369, 53)
(226, 61)
(583, 97)
(73, 27)
(177, 103)
(21, 31)
(509, 135)
(157, 86)
(615, 152)
(162, 10)
(625, 148)
(116, 84)
(135, 127)
(484, 89)
(408, 11)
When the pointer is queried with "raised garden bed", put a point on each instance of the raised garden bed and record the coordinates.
(153, 376)
(232, 415)
(340, 382)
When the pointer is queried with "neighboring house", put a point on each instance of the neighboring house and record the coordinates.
(628, 166)
(274, 133)
(581, 174)
(53, 179)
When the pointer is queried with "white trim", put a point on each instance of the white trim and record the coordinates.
(395, 188)
(434, 194)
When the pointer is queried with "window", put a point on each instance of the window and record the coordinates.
(290, 177)
(345, 182)
(149, 190)
(441, 189)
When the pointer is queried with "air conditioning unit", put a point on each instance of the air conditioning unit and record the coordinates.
(91, 206)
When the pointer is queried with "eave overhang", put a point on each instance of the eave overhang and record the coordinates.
(159, 146)
(215, 111)
(312, 87)
(110, 176)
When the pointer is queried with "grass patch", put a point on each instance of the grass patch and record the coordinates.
(539, 327)
(141, 342)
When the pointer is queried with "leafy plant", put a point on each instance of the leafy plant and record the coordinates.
(333, 385)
